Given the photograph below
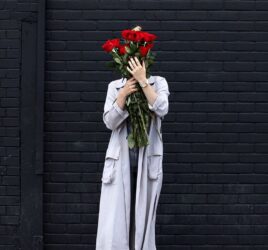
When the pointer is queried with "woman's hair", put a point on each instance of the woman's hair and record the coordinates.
(137, 28)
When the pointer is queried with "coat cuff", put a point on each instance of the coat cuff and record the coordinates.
(155, 104)
(124, 113)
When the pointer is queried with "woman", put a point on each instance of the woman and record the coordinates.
(131, 179)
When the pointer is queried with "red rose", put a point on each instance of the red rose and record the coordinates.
(148, 37)
(122, 49)
(138, 36)
(110, 44)
(127, 34)
(124, 34)
(132, 35)
(144, 49)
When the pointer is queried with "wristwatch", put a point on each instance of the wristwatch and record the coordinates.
(143, 85)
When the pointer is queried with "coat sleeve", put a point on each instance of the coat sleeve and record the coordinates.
(161, 103)
(113, 115)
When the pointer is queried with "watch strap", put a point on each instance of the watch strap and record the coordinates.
(144, 84)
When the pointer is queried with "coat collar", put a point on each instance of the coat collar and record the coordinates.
(121, 82)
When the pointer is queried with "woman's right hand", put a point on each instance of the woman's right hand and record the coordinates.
(129, 87)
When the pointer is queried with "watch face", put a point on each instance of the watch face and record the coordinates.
(144, 84)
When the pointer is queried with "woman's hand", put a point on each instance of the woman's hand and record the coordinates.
(129, 88)
(137, 70)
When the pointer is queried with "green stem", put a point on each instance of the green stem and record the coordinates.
(144, 127)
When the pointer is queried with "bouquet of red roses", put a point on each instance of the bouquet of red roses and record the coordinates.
(138, 44)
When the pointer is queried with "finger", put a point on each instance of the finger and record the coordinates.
(129, 70)
(133, 61)
(130, 86)
(134, 90)
(131, 89)
(133, 83)
(137, 61)
(134, 80)
(130, 79)
(143, 64)
(131, 64)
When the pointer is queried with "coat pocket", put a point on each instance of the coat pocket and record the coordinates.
(154, 166)
(109, 169)
(108, 174)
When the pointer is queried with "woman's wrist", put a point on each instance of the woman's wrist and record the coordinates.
(144, 82)
(122, 94)
(121, 99)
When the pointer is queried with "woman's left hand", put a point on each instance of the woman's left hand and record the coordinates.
(139, 73)
(137, 70)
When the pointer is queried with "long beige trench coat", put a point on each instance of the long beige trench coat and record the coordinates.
(114, 209)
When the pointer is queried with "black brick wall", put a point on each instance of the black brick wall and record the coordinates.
(214, 56)
(11, 14)
(215, 59)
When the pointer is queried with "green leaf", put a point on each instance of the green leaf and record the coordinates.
(125, 58)
(128, 100)
(133, 46)
(131, 141)
(117, 60)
